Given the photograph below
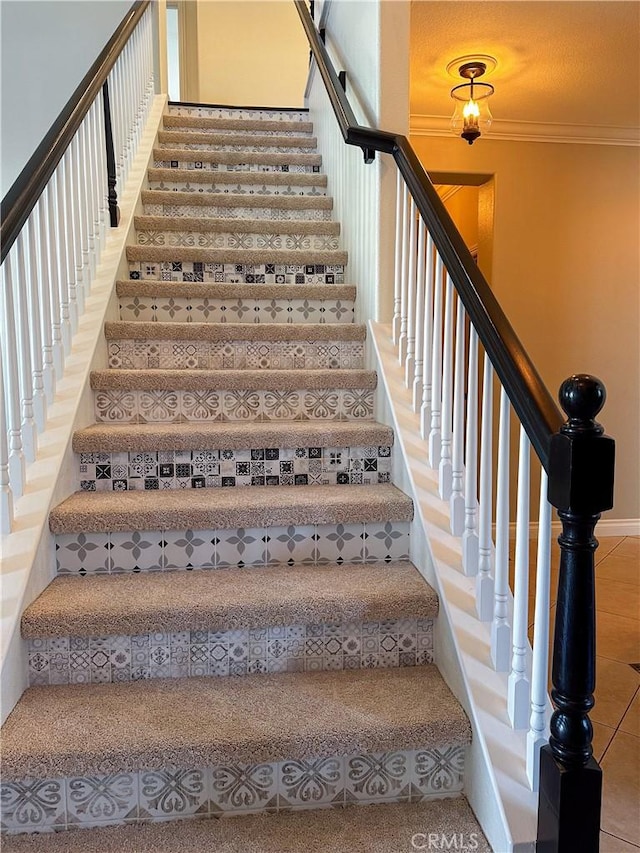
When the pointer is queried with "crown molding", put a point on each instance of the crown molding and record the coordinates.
(533, 131)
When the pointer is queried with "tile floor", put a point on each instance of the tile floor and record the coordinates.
(616, 714)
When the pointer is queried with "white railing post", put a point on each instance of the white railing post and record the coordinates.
(456, 502)
(518, 686)
(445, 468)
(397, 284)
(34, 320)
(6, 496)
(484, 581)
(425, 405)
(41, 261)
(29, 426)
(16, 458)
(500, 628)
(68, 236)
(420, 301)
(410, 358)
(436, 368)
(404, 289)
(537, 735)
(470, 535)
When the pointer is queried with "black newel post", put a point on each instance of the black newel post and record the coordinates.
(114, 210)
(580, 487)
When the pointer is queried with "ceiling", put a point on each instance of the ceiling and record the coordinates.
(567, 68)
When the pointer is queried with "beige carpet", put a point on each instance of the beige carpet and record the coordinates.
(199, 722)
(358, 829)
(273, 202)
(137, 330)
(242, 124)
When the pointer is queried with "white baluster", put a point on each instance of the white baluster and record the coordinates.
(470, 536)
(88, 245)
(404, 290)
(41, 259)
(6, 496)
(34, 319)
(397, 287)
(25, 364)
(537, 735)
(425, 406)
(69, 297)
(420, 286)
(81, 252)
(500, 628)
(445, 472)
(484, 581)
(17, 462)
(410, 359)
(436, 367)
(53, 250)
(92, 225)
(100, 143)
(456, 502)
(518, 687)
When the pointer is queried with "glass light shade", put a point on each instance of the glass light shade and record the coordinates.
(472, 116)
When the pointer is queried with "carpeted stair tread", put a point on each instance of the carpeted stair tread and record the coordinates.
(198, 722)
(228, 600)
(207, 176)
(236, 158)
(277, 202)
(240, 226)
(240, 124)
(380, 828)
(215, 290)
(138, 330)
(116, 438)
(231, 380)
(297, 257)
(168, 137)
(201, 509)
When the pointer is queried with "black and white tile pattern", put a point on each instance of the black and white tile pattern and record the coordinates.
(239, 240)
(237, 273)
(246, 212)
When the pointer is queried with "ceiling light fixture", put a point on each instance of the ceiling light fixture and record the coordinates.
(472, 115)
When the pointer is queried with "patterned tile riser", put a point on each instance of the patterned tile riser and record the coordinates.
(197, 310)
(240, 113)
(241, 240)
(116, 406)
(293, 648)
(237, 212)
(170, 793)
(195, 271)
(300, 545)
(240, 148)
(235, 355)
(236, 189)
(192, 163)
(199, 469)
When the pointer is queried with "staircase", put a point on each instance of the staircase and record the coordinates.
(235, 627)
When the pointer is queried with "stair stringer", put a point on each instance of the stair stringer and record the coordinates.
(495, 774)
(28, 558)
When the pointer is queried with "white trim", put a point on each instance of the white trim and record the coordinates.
(533, 131)
(450, 191)
(605, 527)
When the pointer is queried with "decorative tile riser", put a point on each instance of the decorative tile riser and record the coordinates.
(236, 189)
(247, 113)
(235, 355)
(156, 550)
(240, 148)
(197, 310)
(237, 273)
(240, 240)
(192, 163)
(146, 407)
(170, 793)
(199, 469)
(268, 213)
(249, 131)
(186, 654)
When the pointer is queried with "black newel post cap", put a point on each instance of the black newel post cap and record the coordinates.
(581, 458)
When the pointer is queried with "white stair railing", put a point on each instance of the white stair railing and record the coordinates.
(54, 228)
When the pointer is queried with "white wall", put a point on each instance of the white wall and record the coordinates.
(67, 37)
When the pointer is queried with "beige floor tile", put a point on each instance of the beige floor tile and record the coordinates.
(621, 788)
(623, 563)
(606, 544)
(602, 736)
(618, 637)
(631, 720)
(614, 596)
(616, 684)
(611, 844)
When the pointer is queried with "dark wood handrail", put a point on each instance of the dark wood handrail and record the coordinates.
(30, 183)
(530, 398)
